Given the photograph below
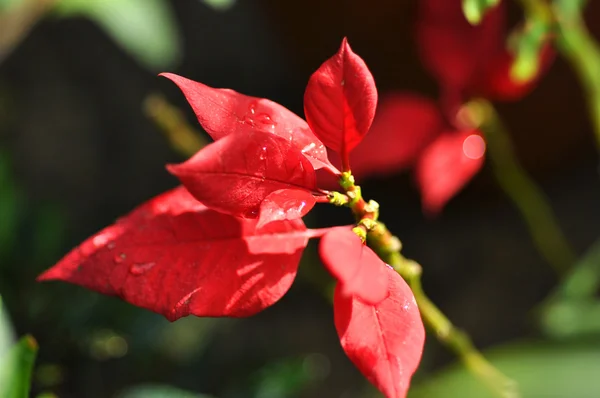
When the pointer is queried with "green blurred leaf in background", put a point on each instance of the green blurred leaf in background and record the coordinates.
(158, 391)
(6, 334)
(5, 4)
(219, 5)
(16, 362)
(145, 28)
(475, 10)
(542, 370)
(573, 309)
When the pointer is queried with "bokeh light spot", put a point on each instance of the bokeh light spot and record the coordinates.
(474, 146)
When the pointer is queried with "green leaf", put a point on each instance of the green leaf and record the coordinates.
(158, 391)
(16, 366)
(572, 309)
(6, 4)
(572, 318)
(568, 8)
(475, 10)
(541, 370)
(145, 28)
(526, 44)
(219, 5)
(6, 334)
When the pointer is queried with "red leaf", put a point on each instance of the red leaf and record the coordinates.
(356, 267)
(175, 257)
(453, 50)
(340, 101)
(222, 112)
(235, 174)
(497, 83)
(404, 125)
(385, 341)
(447, 165)
(285, 204)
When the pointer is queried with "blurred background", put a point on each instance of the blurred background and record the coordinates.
(79, 147)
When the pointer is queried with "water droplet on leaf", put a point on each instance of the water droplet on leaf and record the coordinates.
(141, 268)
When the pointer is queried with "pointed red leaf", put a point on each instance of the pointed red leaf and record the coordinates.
(174, 256)
(451, 48)
(285, 204)
(447, 165)
(222, 112)
(236, 173)
(357, 268)
(404, 125)
(340, 101)
(385, 341)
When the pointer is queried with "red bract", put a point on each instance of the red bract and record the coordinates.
(174, 256)
(357, 268)
(236, 173)
(285, 204)
(222, 112)
(451, 48)
(404, 125)
(444, 159)
(385, 340)
(229, 242)
(446, 166)
(470, 60)
(340, 102)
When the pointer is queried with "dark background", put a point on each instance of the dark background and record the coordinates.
(83, 152)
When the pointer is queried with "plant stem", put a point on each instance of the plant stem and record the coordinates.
(577, 46)
(182, 137)
(388, 247)
(520, 187)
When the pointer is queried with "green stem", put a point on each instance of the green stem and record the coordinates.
(521, 188)
(388, 247)
(583, 53)
(577, 46)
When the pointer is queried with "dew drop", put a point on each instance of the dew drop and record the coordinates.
(141, 268)
(100, 240)
(253, 213)
(263, 153)
(309, 147)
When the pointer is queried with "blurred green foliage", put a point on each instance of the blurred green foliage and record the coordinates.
(16, 362)
(475, 10)
(158, 391)
(543, 370)
(573, 310)
(145, 28)
(220, 5)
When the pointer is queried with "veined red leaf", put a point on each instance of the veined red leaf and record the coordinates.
(385, 341)
(236, 173)
(340, 101)
(285, 204)
(174, 256)
(446, 166)
(404, 125)
(453, 50)
(359, 271)
(222, 112)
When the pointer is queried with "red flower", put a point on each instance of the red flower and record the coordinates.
(410, 131)
(228, 243)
